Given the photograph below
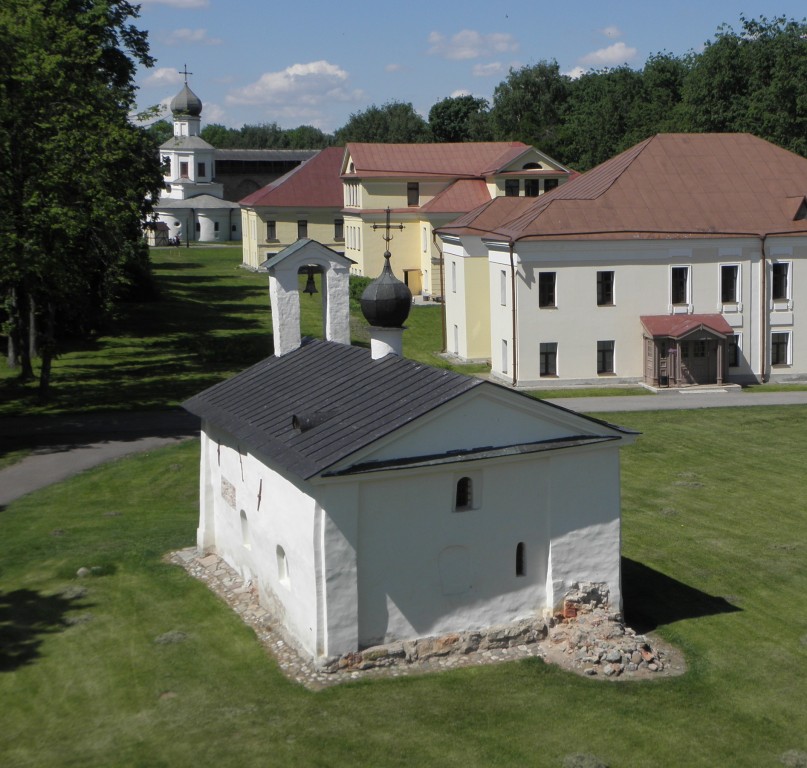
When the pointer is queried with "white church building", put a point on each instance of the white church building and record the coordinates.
(192, 205)
(373, 498)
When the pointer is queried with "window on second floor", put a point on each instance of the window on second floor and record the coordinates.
(729, 283)
(511, 187)
(302, 229)
(183, 170)
(546, 289)
(271, 230)
(338, 229)
(413, 193)
(780, 283)
(532, 187)
(201, 168)
(605, 289)
(679, 285)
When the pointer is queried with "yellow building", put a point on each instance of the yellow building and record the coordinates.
(426, 186)
(305, 203)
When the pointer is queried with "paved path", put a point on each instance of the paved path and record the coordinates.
(66, 445)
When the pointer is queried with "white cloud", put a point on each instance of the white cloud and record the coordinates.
(612, 32)
(494, 69)
(178, 3)
(612, 56)
(460, 92)
(469, 44)
(164, 76)
(300, 85)
(213, 113)
(393, 68)
(575, 73)
(186, 36)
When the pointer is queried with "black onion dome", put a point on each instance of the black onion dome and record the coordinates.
(386, 302)
(186, 102)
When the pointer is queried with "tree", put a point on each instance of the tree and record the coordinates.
(460, 118)
(394, 123)
(528, 106)
(160, 132)
(76, 174)
(754, 80)
(597, 116)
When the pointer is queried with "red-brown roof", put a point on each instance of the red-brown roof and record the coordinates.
(461, 196)
(468, 160)
(678, 326)
(671, 185)
(313, 184)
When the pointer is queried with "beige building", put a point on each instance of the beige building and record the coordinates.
(306, 203)
(426, 186)
(681, 261)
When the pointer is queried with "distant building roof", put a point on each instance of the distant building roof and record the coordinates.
(469, 160)
(461, 196)
(253, 155)
(669, 186)
(315, 183)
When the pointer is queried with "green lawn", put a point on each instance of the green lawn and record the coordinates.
(212, 321)
(715, 541)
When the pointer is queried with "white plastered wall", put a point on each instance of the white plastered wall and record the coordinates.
(277, 513)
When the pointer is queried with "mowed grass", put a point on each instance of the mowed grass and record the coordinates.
(715, 540)
(212, 320)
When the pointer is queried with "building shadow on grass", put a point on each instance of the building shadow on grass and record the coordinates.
(27, 617)
(652, 599)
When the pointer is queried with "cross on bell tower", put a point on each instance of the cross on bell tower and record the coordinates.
(387, 237)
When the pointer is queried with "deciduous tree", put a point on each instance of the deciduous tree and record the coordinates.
(395, 123)
(76, 172)
(460, 118)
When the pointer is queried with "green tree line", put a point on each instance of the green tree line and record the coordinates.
(751, 79)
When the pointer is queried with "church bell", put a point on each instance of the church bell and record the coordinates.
(310, 287)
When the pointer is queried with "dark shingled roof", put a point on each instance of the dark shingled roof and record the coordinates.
(343, 399)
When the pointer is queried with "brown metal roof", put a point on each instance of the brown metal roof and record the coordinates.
(313, 184)
(469, 159)
(461, 196)
(678, 326)
(671, 185)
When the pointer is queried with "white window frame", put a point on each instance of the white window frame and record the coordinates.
(738, 287)
(688, 297)
(788, 297)
(789, 351)
(453, 277)
(503, 287)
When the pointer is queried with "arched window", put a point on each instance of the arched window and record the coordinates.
(282, 566)
(464, 496)
(521, 560)
(244, 529)
(532, 166)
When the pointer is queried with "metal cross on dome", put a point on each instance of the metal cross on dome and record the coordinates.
(184, 71)
(387, 237)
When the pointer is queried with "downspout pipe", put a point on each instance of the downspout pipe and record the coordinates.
(442, 292)
(513, 295)
(763, 314)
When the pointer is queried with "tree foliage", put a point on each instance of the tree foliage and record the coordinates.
(460, 118)
(529, 106)
(77, 174)
(753, 80)
(395, 123)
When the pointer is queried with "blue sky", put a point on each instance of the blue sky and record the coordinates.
(315, 63)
